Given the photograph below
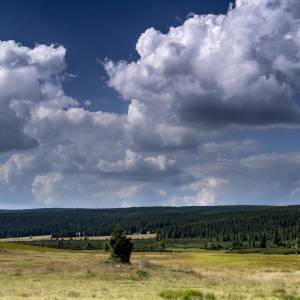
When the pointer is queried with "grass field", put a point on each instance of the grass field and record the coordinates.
(41, 273)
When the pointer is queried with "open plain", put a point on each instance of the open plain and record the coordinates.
(29, 272)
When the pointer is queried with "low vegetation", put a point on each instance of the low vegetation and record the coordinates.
(186, 295)
(41, 273)
(145, 244)
(189, 253)
(140, 244)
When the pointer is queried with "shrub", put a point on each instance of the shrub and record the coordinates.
(212, 246)
(142, 274)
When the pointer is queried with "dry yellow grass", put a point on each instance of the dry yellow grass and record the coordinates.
(101, 238)
(27, 238)
(38, 273)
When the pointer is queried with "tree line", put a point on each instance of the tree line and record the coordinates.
(251, 226)
(272, 226)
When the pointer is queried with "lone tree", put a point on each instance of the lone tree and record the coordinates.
(120, 246)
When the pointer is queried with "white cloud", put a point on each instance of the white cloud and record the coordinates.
(137, 166)
(212, 72)
(44, 187)
(64, 141)
(206, 191)
(28, 77)
(129, 191)
(16, 165)
(257, 179)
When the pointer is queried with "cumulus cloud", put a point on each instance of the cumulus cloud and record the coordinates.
(257, 179)
(73, 140)
(64, 141)
(205, 191)
(27, 77)
(216, 71)
(140, 167)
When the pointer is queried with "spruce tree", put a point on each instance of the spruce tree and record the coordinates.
(120, 246)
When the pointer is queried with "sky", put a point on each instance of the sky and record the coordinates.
(131, 103)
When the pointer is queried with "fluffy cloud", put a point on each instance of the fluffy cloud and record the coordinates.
(216, 71)
(27, 77)
(207, 191)
(257, 179)
(73, 140)
(139, 167)
(69, 148)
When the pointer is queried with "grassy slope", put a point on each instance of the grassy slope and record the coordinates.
(39, 273)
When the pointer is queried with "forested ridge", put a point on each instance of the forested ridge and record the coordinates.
(279, 226)
(253, 225)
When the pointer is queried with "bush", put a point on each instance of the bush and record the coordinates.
(142, 274)
(212, 246)
(120, 246)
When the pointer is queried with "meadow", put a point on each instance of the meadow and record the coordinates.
(31, 272)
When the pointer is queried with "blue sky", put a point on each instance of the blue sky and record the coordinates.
(130, 103)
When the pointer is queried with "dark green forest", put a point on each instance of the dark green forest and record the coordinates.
(237, 227)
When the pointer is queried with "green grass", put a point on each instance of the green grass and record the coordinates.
(140, 245)
(282, 295)
(278, 250)
(147, 243)
(6, 246)
(186, 295)
(289, 297)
